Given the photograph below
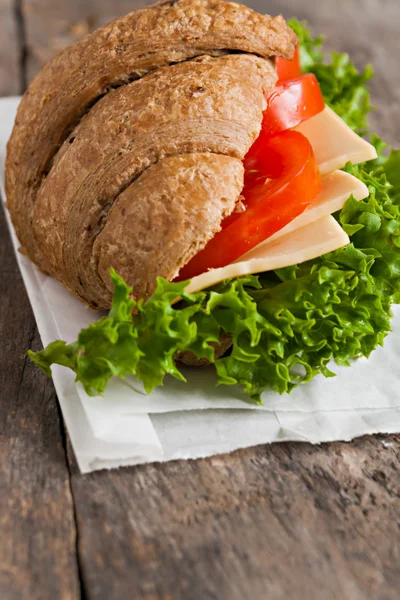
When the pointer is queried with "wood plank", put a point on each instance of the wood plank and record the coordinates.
(37, 528)
(10, 76)
(50, 26)
(276, 522)
(271, 522)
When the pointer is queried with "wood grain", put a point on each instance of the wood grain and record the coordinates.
(37, 529)
(10, 50)
(275, 522)
(50, 26)
(289, 521)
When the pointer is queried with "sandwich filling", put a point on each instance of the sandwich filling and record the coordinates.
(284, 324)
(287, 193)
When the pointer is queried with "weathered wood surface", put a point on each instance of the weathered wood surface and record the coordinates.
(37, 530)
(280, 522)
(10, 49)
(276, 522)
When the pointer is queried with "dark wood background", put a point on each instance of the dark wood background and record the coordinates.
(287, 521)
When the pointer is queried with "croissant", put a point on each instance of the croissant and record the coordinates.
(127, 147)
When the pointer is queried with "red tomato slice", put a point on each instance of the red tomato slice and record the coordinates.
(292, 102)
(287, 69)
(284, 180)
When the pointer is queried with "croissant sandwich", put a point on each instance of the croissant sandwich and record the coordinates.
(189, 158)
(127, 149)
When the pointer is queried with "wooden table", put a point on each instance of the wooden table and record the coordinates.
(272, 522)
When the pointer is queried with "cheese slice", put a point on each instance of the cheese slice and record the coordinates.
(336, 188)
(333, 142)
(315, 232)
(310, 241)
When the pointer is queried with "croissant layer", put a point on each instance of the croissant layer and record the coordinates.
(132, 140)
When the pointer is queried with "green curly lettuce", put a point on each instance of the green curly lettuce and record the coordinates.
(286, 325)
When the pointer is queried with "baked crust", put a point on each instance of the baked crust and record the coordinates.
(209, 105)
(187, 357)
(73, 154)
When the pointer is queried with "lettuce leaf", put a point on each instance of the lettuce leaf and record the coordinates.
(287, 325)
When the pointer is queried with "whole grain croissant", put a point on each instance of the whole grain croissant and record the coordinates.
(127, 148)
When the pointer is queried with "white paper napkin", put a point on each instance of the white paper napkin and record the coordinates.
(197, 419)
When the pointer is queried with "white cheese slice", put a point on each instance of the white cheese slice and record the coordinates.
(336, 188)
(314, 232)
(333, 142)
(310, 241)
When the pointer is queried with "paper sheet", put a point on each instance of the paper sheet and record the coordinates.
(197, 419)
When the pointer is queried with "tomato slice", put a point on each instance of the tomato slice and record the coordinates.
(283, 180)
(287, 69)
(292, 102)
